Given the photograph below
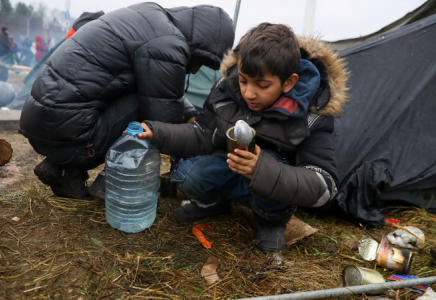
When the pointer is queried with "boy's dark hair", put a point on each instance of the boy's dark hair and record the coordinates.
(269, 47)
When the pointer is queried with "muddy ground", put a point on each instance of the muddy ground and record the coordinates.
(21, 164)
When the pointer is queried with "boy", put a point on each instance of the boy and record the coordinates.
(271, 88)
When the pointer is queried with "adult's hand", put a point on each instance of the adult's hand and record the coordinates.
(243, 162)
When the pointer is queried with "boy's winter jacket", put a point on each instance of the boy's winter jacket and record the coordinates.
(142, 49)
(305, 141)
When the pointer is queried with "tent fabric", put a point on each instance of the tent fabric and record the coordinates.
(200, 85)
(385, 140)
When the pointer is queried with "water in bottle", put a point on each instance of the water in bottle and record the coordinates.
(132, 181)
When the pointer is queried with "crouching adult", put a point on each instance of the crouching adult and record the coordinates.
(128, 65)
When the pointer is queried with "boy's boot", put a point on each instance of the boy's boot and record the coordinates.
(194, 210)
(64, 182)
(98, 187)
(271, 228)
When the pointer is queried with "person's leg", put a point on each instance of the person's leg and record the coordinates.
(210, 183)
(65, 168)
(271, 218)
(113, 121)
(203, 179)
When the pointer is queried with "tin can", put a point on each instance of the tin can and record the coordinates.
(392, 258)
(368, 249)
(232, 144)
(353, 275)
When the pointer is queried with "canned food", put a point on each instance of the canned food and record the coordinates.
(353, 275)
(393, 258)
(368, 249)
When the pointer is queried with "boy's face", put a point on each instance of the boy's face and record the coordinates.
(261, 93)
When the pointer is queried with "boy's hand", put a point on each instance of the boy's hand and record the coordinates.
(147, 134)
(243, 162)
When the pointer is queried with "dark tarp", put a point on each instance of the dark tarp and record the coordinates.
(385, 139)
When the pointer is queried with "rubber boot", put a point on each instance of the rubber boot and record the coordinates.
(193, 211)
(271, 228)
(64, 182)
(98, 187)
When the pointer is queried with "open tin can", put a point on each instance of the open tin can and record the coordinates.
(353, 275)
(393, 258)
(386, 256)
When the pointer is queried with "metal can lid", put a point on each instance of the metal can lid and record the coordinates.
(351, 276)
(368, 249)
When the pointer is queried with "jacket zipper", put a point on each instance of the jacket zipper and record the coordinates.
(248, 116)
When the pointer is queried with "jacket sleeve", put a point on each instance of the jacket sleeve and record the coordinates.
(304, 185)
(189, 110)
(182, 140)
(160, 69)
(189, 139)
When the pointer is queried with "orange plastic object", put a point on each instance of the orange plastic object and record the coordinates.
(196, 230)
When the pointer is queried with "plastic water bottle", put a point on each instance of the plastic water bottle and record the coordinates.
(132, 181)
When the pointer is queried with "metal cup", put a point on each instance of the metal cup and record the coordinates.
(232, 144)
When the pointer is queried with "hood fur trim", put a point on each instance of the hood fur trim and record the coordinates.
(337, 74)
(336, 71)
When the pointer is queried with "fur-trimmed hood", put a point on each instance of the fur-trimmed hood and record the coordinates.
(315, 51)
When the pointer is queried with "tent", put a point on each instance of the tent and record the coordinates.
(200, 85)
(385, 139)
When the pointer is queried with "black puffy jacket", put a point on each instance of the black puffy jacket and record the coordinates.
(143, 48)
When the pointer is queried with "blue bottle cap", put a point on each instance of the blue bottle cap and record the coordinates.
(134, 128)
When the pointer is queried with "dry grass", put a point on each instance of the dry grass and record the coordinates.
(64, 249)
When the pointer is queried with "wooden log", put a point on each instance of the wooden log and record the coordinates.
(5, 152)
